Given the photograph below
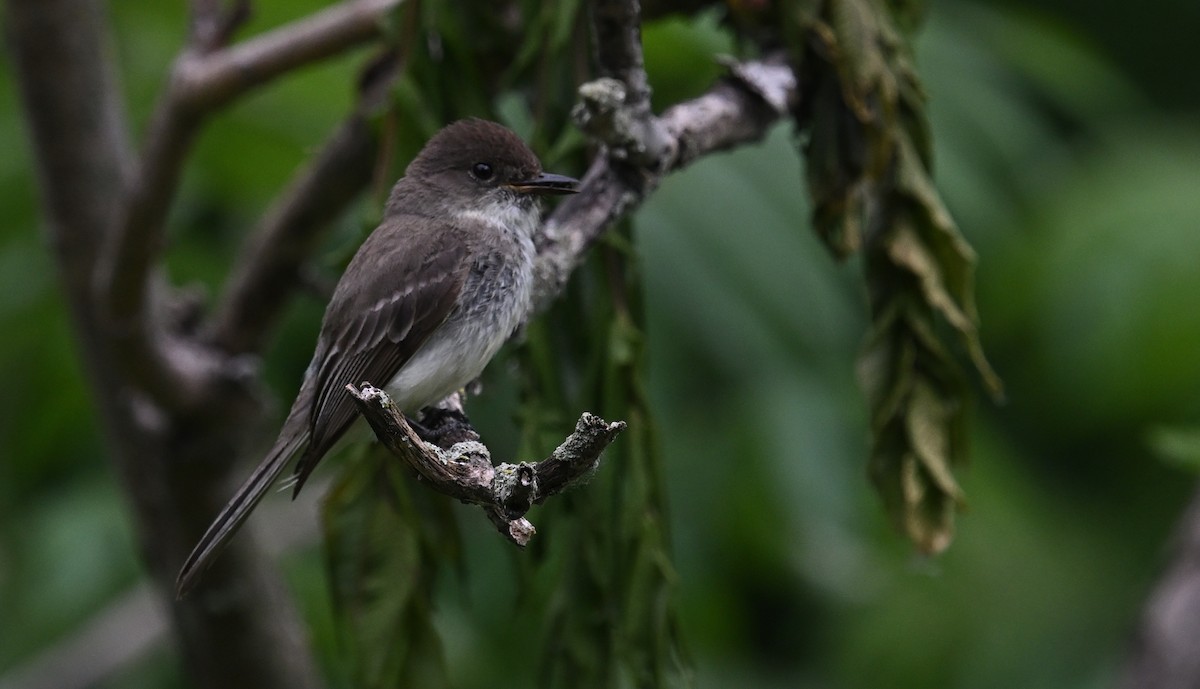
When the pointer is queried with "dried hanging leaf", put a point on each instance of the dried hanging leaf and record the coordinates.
(868, 169)
(916, 392)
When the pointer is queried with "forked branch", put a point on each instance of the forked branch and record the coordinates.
(203, 78)
(460, 466)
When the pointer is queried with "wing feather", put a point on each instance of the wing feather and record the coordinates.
(372, 330)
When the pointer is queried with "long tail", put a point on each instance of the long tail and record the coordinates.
(292, 438)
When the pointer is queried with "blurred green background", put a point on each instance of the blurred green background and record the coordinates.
(1068, 147)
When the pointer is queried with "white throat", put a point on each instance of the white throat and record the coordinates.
(503, 215)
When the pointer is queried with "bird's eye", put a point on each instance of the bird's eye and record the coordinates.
(482, 171)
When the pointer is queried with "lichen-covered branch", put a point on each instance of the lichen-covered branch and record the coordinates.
(739, 109)
(460, 466)
(623, 90)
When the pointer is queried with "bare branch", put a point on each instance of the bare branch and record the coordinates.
(1165, 653)
(184, 377)
(79, 133)
(268, 268)
(618, 40)
(203, 81)
(738, 110)
(463, 469)
(252, 638)
(213, 25)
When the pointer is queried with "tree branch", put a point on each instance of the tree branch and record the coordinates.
(739, 109)
(1165, 652)
(245, 633)
(183, 376)
(207, 80)
(460, 466)
(77, 124)
(638, 137)
(213, 23)
(252, 637)
(268, 268)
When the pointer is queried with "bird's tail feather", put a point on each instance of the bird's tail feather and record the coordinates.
(239, 507)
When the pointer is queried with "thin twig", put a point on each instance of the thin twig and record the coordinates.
(209, 80)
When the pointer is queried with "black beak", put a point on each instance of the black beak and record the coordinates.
(546, 184)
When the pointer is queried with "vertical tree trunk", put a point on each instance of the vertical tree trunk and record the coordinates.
(251, 637)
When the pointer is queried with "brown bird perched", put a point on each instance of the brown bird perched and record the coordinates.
(425, 303)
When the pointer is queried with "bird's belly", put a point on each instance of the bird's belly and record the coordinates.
(494, 299)
(454, 355)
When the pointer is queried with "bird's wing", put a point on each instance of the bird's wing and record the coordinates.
(370, 330)
(373, 327)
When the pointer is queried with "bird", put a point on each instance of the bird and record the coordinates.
(423, 306)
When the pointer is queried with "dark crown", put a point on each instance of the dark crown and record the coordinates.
(464, 143)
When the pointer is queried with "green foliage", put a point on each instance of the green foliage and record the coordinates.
(1180, 446)
(382, 557)
(679, 54)
(525, 65)
(612, 622)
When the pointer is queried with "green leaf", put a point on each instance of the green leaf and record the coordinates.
(1178, 446)
(548, 29)
(611, 617)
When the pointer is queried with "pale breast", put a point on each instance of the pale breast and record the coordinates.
(494, 300)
